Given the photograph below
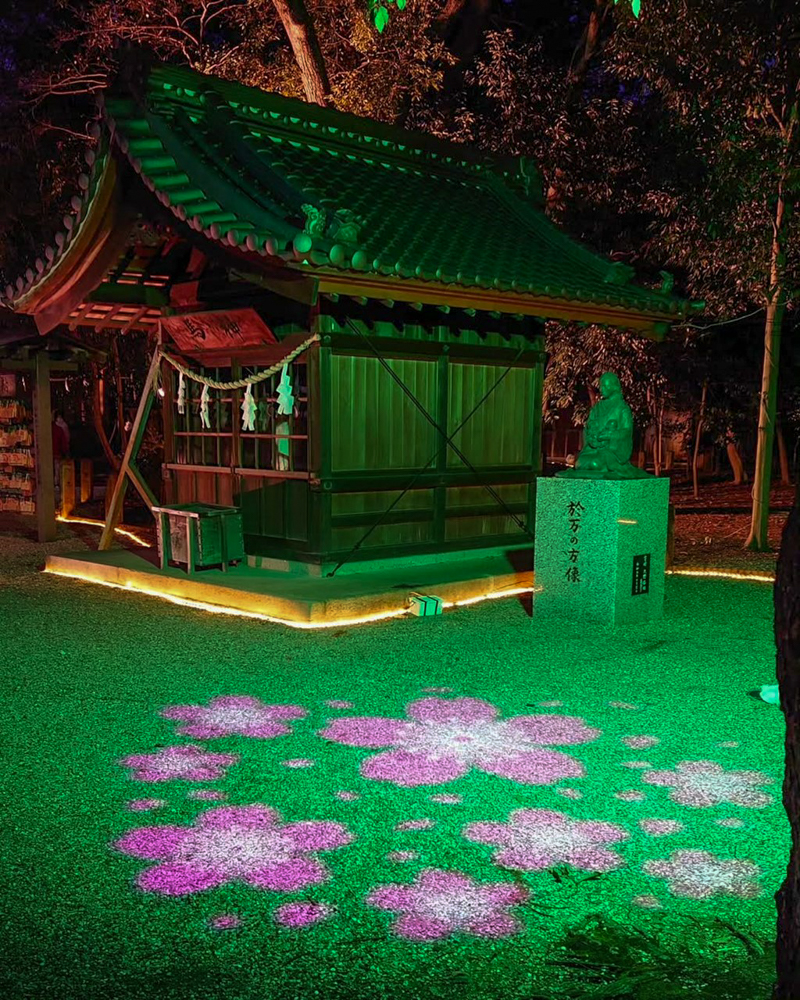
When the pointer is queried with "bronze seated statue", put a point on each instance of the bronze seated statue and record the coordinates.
(608, 438)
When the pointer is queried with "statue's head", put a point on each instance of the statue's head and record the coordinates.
(609, 385)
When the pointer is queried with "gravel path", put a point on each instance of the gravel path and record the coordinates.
(86, 673)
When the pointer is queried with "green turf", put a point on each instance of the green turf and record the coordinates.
(86, 671)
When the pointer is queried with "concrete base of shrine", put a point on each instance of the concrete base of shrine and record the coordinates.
(305, 601)
(600, 549)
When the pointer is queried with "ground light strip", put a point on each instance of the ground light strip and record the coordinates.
(724, 574)
(102, 524)
(220, 609)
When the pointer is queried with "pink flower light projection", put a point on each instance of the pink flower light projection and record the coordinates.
(233, 844)
(704, 783)
(206, 795)
(443, 739)
(301, 914)
(416, 824)
(180, 763)
(225, 922)
(640, 742)
(700, 875)
(145, 805)
(441, 903)
(234, 716)
(661, 827)
(536, 839)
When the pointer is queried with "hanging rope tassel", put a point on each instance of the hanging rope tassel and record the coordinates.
(204, 408)
(285, 397)
(181, 394)
(248, 410)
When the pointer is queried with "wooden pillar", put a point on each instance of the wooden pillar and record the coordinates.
(111, 482)
(87, 479)
(43, 442)
(67, 486)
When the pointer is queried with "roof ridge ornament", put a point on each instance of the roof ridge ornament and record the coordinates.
(342, 225)
(530, 177)
(316, 220)
(346, 226)
(619, 274)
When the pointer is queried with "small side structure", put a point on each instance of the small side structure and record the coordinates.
(394, 284)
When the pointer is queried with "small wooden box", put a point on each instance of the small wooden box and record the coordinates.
(199, 535)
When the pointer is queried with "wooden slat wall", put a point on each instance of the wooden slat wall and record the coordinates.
(374, 424)
(356, 503)
(203, 487)
(500, 431)
(417, 533)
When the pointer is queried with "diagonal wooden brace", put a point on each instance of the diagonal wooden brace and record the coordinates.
(128, 469)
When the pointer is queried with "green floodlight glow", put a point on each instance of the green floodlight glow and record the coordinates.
(331, 826)
(636, 6)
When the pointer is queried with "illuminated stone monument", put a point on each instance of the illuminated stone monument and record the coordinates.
(601, 527)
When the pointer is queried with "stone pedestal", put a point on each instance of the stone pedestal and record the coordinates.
(600, 549)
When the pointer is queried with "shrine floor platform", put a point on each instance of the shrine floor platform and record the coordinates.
(304, 601)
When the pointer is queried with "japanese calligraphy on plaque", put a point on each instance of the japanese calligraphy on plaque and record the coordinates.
(641, 575)
(217, 330)
(575, 512)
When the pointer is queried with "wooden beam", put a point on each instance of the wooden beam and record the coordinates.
(128, 469)
(43, 443)
(27, 366)
(357, 286)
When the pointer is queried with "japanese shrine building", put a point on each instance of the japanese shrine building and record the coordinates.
(422, 269)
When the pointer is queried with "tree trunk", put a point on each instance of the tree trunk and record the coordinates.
(97, 418)
(787, 642)
(462, 24)
(739, 474)
(783, 456)
(768, 406)
(698, 432)
(303, 38)
(589, 43)
(762, 477)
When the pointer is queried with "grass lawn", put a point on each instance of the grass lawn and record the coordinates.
(470, 788)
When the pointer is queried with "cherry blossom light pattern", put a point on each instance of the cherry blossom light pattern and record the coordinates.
(443, 739)
(234, 716)
(179, 763)
(145, 805)
(704, 783)
(233, 844)
(701, 875)
(536, 839)
(301, 913)
(439, 904)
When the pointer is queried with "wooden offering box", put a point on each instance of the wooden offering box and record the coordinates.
(199, 535)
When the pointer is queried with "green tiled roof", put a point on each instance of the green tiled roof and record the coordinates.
(334, 193)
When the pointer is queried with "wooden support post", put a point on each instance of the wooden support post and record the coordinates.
(110, 484)
(43, 443)
(127, 469)
(67, 486)
(87, 479)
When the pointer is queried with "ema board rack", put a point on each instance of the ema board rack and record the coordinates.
(17, 457)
